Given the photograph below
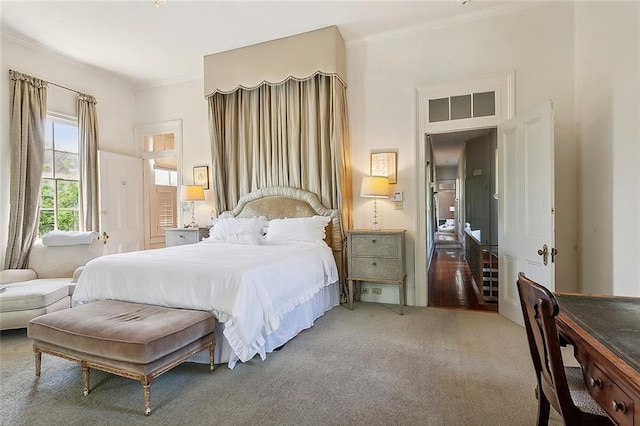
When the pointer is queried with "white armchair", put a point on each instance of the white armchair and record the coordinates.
(47, 285)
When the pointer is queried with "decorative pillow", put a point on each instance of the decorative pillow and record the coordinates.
(298, 229)
(239, 230)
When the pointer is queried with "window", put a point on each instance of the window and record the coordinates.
(464, 106)
(59, 208)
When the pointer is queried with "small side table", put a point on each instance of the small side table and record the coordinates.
(376, 256)
(181, 236)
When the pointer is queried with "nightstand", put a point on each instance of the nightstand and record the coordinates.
(181, 236)
(376, 256)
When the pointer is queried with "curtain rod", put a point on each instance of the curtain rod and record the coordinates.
(52, 83)
(63, 87)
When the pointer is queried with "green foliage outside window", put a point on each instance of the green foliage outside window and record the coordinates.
(59, 207)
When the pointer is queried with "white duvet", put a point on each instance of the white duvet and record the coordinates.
(249, 288)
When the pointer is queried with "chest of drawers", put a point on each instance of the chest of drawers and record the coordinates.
(376, 256)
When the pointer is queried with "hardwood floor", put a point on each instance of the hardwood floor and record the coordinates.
(451, 284)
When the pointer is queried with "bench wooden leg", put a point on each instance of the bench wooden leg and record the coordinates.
(146, 390)
(211, 350)
(85, 378)
(38, 356)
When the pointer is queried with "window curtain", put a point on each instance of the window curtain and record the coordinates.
(290, 134)
(28, 112)
(88, 159)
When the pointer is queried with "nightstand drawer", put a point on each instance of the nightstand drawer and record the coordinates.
(181, 236)
(375, 268)
(375, 245)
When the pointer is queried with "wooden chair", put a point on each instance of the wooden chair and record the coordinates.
(559, 386)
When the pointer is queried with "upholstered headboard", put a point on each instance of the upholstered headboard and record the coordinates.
(277, 202)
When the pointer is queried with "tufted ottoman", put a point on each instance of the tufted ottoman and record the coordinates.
(128, 339)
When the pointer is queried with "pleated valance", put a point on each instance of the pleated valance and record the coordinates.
(299, 57)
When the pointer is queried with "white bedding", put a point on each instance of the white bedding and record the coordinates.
(249, 288)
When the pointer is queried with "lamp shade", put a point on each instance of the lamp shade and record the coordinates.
(452, 208)
(191, 193)
(375, 187)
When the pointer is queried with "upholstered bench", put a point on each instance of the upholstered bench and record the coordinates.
(128, 339)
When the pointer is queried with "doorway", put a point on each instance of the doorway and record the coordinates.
(462, 265)
(160, 146)
(444, 108)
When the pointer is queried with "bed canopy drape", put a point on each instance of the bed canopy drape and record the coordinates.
(292, 132)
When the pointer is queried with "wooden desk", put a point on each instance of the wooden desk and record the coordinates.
(605, 334)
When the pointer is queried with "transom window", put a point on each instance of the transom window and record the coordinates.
(59, 208)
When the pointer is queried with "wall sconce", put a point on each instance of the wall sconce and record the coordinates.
(452, 209)
(375, 187)
(192, 193)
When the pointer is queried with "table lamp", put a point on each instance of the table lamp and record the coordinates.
(192, 193)
(375, 187)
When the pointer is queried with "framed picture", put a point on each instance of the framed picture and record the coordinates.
(201, 176)
(384, 164)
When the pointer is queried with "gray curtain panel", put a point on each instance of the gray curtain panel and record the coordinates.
(88, 150)
(28, 113)
(290, 134)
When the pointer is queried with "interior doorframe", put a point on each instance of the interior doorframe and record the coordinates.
(503, 86)
(142, 130)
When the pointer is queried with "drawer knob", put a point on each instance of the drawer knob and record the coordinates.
(595, 383)
(374, 263)
(181, 236)
(373, 241)
(619, 406)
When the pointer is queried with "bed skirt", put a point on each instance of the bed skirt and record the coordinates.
(301, 318)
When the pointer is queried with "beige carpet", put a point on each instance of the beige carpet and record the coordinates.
(369, 366)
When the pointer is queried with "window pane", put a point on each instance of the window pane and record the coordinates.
(67, 195)
(66, 165)
(47, 166)
(484, 104)
(68, 220)
(47, 222)
(47, 194)
(460, 107)
(65, 137)
(438, 110)
(161, 177)
(48, 134)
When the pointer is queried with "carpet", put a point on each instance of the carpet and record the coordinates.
(369, 366)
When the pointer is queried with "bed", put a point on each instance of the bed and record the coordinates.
(449, 226)
(261, 293)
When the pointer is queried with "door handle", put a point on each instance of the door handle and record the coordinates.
(544, 252)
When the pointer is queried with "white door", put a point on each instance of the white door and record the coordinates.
(525, 204)
(121, 210)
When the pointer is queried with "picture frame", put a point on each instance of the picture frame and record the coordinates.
(201, 176)
(384, 164)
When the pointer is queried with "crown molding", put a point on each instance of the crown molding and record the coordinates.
(33, 45)
(448, 22)
(168, 81)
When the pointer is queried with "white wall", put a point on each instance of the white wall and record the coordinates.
(182, 101)
(608, 113)
(115, 105)
(383, 74)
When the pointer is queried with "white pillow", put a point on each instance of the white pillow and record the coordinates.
(239, 230)
(298, 229)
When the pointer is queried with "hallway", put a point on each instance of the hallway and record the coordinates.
(451, 284)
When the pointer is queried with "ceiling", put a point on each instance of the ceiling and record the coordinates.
(448, 147)
(143, 45)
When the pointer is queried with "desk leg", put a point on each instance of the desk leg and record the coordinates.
(401, 289)
(350, 294)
